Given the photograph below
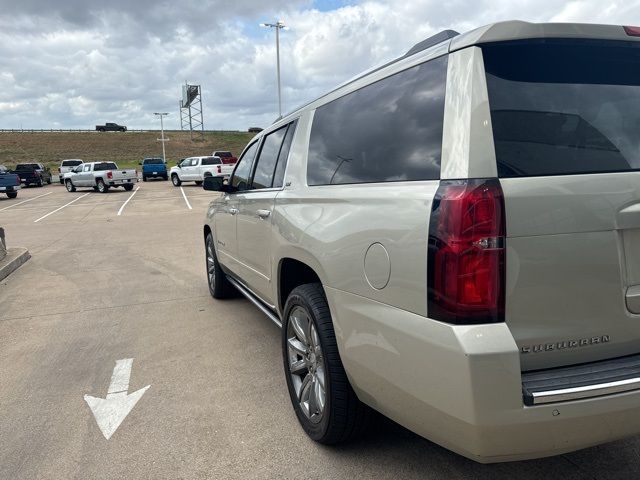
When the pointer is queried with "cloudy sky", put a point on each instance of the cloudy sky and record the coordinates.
(75, 63)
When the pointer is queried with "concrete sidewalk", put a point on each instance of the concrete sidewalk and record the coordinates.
(12, 258)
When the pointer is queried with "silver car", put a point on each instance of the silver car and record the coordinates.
(453, 240)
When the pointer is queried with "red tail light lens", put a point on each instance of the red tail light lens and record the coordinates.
(109, 175)
(18, 180)
(219, 169)
(632, 31)
(467, 253)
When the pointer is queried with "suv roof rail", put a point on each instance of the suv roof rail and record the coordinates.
(431, 41)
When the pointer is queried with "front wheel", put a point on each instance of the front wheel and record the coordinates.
(39, 183)
(49, 181)
(175, 180)
(326, 406)
(70, 186)
(128, 188)
(219, 286)
(12, 194)
(102, 187)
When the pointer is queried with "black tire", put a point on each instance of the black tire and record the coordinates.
(345, 417)
(219, 286)
(144, 178)
(101, 186)
(101, 130)
(175, 179)
(95, 189)
(70, 186)
(165, 178)
(49, 181)
(39, 183)
(128, 188)
(121, 130)
(12, 194)
(198, 182)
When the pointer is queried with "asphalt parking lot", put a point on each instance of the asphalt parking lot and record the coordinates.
(121, 276)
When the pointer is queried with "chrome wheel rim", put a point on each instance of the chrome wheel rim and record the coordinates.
(211, 265)
(306, 364)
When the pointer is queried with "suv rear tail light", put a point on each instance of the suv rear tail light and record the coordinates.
(632, 31)
(109, 175)
(18, 180)
(219, 169)
(466, 278)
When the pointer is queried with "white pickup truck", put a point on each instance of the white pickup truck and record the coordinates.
(195, 169)
(100, 176)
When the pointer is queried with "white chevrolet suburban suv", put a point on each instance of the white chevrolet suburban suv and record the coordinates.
(453, 240)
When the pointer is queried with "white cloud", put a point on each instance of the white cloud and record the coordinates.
(77, 65)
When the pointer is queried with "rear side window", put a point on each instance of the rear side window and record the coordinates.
(388, 131)
(563, 107)
(211, 161)
(278, 176)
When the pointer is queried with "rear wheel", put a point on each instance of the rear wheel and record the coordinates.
(95, 189)
(39, 183)
(49, 181)
(12, 194)
(198, 182)
(144, 178)
(128, 188)
(219, 286)
(325, 404)
(102, 187)
(175, 180)
(69, 185)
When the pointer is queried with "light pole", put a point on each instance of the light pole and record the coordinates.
(278, 26)
(161, 115)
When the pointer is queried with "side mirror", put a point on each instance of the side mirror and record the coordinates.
(214, 184)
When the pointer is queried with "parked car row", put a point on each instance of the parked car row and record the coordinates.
(101, 176)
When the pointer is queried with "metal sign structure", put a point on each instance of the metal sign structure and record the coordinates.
(191, 116)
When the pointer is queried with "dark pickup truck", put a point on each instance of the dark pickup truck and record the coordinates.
(111, 127)
(9, 182)
(33, 173)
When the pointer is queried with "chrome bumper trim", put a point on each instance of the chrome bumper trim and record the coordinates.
(587, 391)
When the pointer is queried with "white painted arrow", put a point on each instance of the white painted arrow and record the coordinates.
(111, 411)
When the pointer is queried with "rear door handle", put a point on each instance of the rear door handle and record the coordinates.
(263, 213)
(233, 211)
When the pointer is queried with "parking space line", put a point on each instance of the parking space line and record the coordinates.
(60, 208)
(25, 201)
(185, 198)
(127, 201)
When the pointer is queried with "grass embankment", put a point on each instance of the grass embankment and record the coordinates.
(126, 149)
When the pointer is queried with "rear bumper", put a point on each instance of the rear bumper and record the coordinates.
(461, 386)
(118, 183)
(155, 174)
(10, 188)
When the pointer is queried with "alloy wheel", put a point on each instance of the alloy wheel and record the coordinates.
(306, 364)
(211, 265)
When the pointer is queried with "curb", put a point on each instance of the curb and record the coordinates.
(15, 257)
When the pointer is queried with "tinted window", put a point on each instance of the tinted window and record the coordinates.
(223, 154)
(24, 167)
(152, 161)
(88, 167)
(278, 177)
(211, 161)
(71, 163)
(563, 107)
(240, 178)
(266, 163)
(104, 166)
(388, 131)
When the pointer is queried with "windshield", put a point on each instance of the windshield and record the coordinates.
(26, 166)
(223, 154)
(105, 166)
(562, 107)
(152, 161)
